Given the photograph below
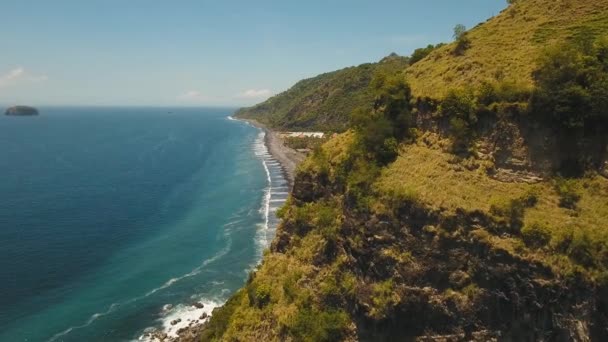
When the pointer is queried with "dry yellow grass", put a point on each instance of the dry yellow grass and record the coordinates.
(507, 46)
(444, 184)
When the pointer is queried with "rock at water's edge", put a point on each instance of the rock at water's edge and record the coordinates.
(21, 111)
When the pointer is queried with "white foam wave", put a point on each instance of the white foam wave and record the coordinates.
(182, 316)
(194, 272)
(167, 284)
(90, 321)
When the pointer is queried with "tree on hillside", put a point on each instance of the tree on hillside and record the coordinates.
(390, 120)
(459, 31)
(571, 95)
(462, 41)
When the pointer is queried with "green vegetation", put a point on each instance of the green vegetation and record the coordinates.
(421, 53)
(381, 129)
(462, 41)
(323, 102)
(304, 143)
(568, 193)
(572, 98)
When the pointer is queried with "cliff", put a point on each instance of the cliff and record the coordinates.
(458, 205)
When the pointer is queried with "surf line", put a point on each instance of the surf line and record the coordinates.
(167, 284)
(262, 152)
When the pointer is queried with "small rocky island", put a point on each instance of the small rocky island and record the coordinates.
(21, 111)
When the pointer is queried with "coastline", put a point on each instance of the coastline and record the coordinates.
(187, 325)
(287, 157)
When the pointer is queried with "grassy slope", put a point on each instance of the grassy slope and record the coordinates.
(442, 184)
(323, 102)
(507, 46)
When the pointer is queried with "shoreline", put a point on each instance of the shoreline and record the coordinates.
(187, 325)
(287, 157)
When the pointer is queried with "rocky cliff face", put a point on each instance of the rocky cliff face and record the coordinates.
(448, 280)
(396, 266)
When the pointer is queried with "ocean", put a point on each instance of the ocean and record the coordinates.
(114, 221)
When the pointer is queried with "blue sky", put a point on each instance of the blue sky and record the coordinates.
(191, 53)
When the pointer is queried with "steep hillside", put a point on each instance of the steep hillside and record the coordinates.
(323, 102)
(508, 46)
(428, 249)
(478, 215)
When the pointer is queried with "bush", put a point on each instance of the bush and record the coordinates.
(259, 294)
(421, 53)
(580, 250)
(383, 299)
(460, 107)
(568, 192)
(462, 41)
(571, 98)
(221, 317)
(390, 121)
(531, 197)
(510, 210)
(536, 235)
(402, 199)
(311, 325)
(462, 45)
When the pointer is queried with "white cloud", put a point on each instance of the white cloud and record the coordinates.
(19, 74)
(255, 93)
(192, 96)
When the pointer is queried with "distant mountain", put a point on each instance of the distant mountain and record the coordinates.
(324, 102)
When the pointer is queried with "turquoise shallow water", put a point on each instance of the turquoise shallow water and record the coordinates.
(110, 214)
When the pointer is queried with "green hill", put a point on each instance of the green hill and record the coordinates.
(323, 102)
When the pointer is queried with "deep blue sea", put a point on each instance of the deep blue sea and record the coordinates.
(115, 220)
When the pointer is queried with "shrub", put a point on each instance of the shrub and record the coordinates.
(460, 107)
(259, 294)
(531, 197)
(421, 53)
(580, 249)
(510, 210)
(462, 41)
(571, 97)
(462, 45)
(311, 325)
(384, 299)
(567, 189)
(290, 286)
(536, 235)
(221, 318)
(390, 121)
(403, 198)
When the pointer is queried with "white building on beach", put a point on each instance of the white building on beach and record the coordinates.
(319, 135)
